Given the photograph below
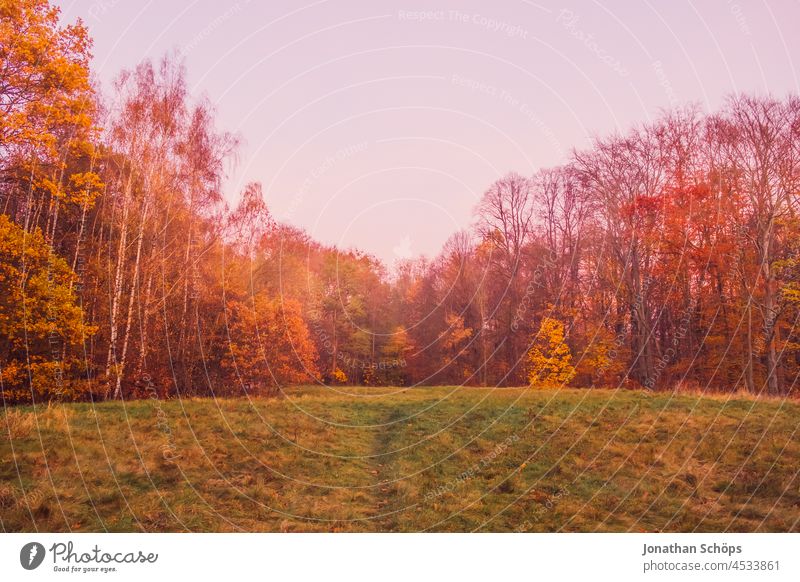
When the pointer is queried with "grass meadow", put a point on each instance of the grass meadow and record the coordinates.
(424, 459)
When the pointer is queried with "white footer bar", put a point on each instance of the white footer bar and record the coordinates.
(390, 557)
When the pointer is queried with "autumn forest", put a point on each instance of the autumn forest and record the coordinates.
(661, 258)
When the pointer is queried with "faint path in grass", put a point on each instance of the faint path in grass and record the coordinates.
(328, 462)
(388, 503)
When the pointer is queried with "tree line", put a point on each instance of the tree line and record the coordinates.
(665, 255)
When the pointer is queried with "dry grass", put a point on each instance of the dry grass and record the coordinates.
(17, 424)
(434, 459)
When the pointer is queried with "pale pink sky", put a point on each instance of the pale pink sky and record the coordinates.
(373, 125)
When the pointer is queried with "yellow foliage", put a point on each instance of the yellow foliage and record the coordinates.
(549, 358)
(40, 317)
(48, 67)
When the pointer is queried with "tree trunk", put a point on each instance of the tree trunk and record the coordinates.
(640, 324)
(770, 312)
(134, 284)
(751, 387)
